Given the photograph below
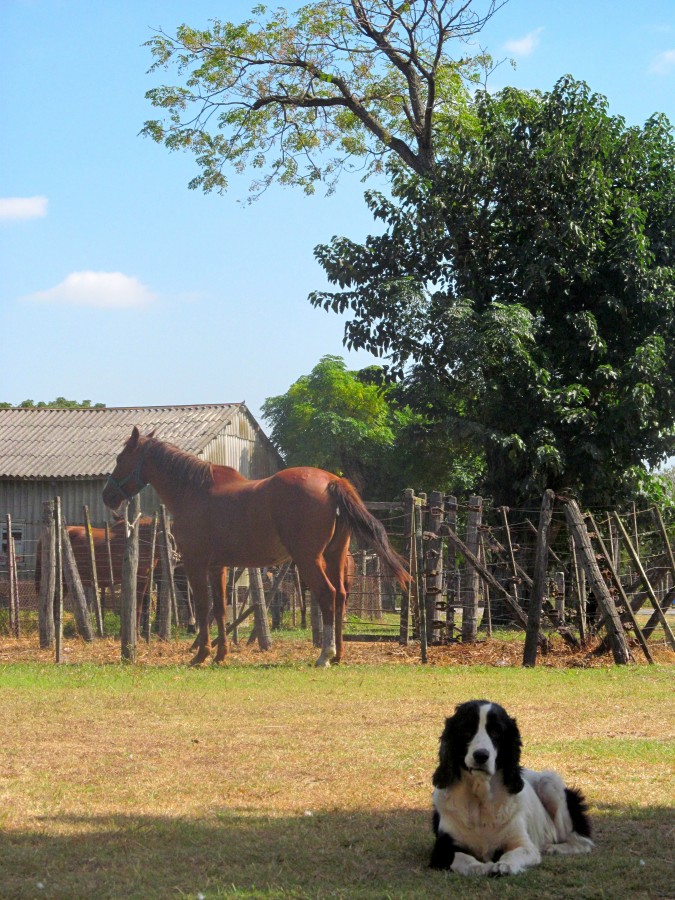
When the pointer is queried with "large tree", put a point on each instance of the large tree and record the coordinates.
(356, 424)
(529, 293)
(337, 84)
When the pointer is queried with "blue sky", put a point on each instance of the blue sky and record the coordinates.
(201, 298)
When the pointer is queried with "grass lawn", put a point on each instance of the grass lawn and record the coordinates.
(279, 780)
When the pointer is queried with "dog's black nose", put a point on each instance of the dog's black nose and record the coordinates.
(481, 756)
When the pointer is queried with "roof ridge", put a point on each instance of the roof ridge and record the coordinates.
(101, 409)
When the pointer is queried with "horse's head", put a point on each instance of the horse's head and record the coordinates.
(127, 477)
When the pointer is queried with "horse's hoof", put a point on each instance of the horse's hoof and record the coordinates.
(201, 657)
(322, 663)
(221, 656)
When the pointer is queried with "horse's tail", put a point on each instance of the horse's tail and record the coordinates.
(367, 527)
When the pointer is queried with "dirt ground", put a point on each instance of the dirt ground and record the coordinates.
(287, 651)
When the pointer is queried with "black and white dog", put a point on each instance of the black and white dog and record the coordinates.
(491, 816)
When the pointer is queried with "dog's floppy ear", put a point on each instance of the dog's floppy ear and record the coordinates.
(448, 771)
(508, 758)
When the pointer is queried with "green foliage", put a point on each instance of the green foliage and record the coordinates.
(59, 403)
(354, 423)
(339, 84)
(528, 294)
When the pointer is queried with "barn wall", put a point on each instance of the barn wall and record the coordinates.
(244, 447)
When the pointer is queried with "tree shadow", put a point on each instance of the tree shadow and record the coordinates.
(330, 854)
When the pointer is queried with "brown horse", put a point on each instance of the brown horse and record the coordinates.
(79, 541)
(222, 519)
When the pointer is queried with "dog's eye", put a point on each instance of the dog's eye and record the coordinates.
(494, 731)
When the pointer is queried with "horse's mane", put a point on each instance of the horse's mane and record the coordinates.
(184, 468)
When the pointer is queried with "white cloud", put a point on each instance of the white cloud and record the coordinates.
(12, 208)
(524, 46)
(663, 63)
(105, 290)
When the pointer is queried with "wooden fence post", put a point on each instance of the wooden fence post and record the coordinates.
(75, 589)
(419, 606)
(408, 539)
(578, 581)
(58, 582)
(167, 598)
(617, 639)
(433, 569)
(454, 585)
(539, 580)
(13, 581)
(147, 593)
(471, 589)
(47, 576)
(111, 572)
(128, 617)
(261, 622)
(515, 579)
(93, 571)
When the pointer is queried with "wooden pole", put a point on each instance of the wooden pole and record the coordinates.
(47, 576)
(11, 577)
(128, 617)
(8, 545)
(515, 580)
(111, 573)
(93, 571)
(643, 576)
(262, 625)
(486, 590)
(617, 638)
(433, 569)
(581, 599)
(419, 606)
(75, 589)
(658, 518)
(408, 540)
(296, 597)
(167, 602)
(532, 633)
(147, 593)
(617, 582)
(471, 589)
(453, 587)
(58, 582)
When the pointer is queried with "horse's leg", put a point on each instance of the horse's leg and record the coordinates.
(218, 578)
(197, 576)
(336, 557)
(313, 573)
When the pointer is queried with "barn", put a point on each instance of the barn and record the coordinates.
(69, 453)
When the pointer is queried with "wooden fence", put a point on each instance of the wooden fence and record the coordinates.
(567, 574)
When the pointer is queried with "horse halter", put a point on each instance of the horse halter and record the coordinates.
(134, 475)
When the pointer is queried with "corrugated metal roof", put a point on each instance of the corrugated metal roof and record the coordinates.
(83, 443)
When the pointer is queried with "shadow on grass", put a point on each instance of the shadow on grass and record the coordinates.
(244, 854)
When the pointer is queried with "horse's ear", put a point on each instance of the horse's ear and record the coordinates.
(133, 440)
(152, 433)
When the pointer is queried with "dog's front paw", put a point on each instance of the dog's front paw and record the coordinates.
(464, 864)
(504, 868)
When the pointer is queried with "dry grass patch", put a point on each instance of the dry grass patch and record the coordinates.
(279, 780)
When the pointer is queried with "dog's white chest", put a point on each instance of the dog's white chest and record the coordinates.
(478, 819)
